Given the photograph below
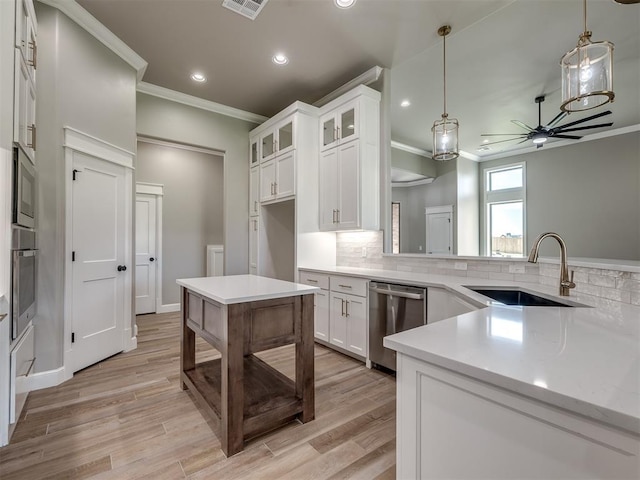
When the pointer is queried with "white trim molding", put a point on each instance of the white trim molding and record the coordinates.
(84, 19)
(182, 146)
(82, 142)
(190, 100)
(408, 148)
(40, 380)
(367, 78)
(149, 188)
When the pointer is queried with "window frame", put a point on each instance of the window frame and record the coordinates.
(506, 195)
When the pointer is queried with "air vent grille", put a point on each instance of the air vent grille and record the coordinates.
(246, 8)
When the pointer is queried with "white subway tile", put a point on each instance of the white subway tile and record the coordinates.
(602, 280)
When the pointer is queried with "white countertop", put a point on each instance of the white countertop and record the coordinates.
(243, 288)
(585, 360)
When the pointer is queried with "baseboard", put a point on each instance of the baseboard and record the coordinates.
(132, 344)
(170, 307)
(40, 380)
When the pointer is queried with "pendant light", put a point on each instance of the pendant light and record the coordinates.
(445, 130)
(587, 73)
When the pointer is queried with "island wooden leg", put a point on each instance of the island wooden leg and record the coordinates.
(232, 387)
(187, 340)
(305, 384)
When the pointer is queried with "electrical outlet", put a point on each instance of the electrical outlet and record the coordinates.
(420, 247)
(364, 252)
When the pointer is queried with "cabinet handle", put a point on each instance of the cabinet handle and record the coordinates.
(255, 225)
(275, 188)
(30, 367)
(275, 145)
(312, 281)
(255, 205)
(34, 55)
(335, 134)
(32, 128)
(338, 135)
(338, 216)
(345, 286)
(334, 216)
(347, 309)
(342, 314)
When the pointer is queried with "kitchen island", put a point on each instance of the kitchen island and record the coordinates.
(241, 315)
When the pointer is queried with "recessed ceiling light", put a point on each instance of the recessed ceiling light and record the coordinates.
(405, 103)
(198, 77)
(280, 59)
(486, 140)
(345, 3)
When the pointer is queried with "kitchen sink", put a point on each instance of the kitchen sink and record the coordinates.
(518, 297)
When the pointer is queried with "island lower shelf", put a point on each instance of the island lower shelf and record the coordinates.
(269, 401)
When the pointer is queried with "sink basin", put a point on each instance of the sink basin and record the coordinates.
(517, 297)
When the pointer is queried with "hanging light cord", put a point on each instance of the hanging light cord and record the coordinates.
(585, 16)
(444, 69)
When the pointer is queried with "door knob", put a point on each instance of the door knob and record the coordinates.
(122, 268)
(152, 259)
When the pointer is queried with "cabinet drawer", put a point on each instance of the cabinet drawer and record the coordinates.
(315, 279)
(350, 285)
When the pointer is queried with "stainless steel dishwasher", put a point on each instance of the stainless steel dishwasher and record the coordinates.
(392, 309)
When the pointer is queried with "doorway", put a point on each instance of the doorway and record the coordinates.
(146, 248)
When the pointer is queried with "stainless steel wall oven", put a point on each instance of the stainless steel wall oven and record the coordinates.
(23, 279)
(24, 190)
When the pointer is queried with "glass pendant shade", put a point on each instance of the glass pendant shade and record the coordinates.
(587, 73)
(445, 139)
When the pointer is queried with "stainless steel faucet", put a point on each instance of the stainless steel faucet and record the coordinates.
(565, 283)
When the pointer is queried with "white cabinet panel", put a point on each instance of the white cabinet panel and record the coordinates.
(254, 192)
(321, 313)
(338, 324)
(254, 229)
(329, 189)
(267, 181)
(285, 175)
(356, 315)
(349, 186)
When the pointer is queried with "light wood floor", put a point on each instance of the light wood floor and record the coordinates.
(127, 418)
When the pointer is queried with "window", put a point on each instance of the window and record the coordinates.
(504, 209)
(395, 222)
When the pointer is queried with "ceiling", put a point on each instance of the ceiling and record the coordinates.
(501, 54)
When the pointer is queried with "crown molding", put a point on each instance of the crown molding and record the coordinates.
(84, 19)
(190, 100)
(368, 77)
(408, 148)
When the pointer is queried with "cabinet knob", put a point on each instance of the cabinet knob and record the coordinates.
(122, 268)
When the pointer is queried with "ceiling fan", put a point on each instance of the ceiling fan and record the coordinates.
(541, 134)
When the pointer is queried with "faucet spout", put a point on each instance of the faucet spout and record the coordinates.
(566, 283)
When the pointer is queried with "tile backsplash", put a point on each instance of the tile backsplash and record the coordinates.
(598, 287)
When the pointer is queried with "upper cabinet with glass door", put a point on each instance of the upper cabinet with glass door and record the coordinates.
(254, 152)
(340, 125)
(277, 140)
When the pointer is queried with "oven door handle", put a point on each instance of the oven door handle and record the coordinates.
(26, 253)
(394, 293)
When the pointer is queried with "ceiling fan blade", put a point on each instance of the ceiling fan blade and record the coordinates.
(502, 141)
(586, 119)
(557, 118)
(570, 137)
(523, 125)
(586, 127)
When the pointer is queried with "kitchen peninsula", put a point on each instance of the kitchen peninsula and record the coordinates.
(241, 315)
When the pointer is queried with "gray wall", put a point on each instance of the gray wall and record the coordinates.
(191, 209)
(589, 193)
(411, 162)
(180, 123)
(81, 84)
(413, 200)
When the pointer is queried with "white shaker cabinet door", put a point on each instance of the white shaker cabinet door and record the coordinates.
(254, 192)
(285, 183)
(322, 315)
(356, 316)
(267, 181)
(349, 185)
(337, 320)
(328, 189)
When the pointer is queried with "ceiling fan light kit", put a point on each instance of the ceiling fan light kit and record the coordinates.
(587, 73)
(445, 130)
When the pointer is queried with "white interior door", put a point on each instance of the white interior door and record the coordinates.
(146, 271)
(439, 233)
(98, 269)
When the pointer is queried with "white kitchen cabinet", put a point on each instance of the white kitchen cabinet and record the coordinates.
(278, 139)
(277, 178)
(254, 152)
(444, 417)
(254, 192)
(443, 304)
(26, 35)
(349, 170)
(286, 147)
(321, 304)
(341, 310)
(24, 112)
(339, 175)
(339, 125)
(22, 360)
(254, 234)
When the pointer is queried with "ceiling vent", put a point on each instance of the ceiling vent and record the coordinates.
(246, 8)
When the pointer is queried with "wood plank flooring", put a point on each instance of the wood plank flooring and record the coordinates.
(126, 418)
